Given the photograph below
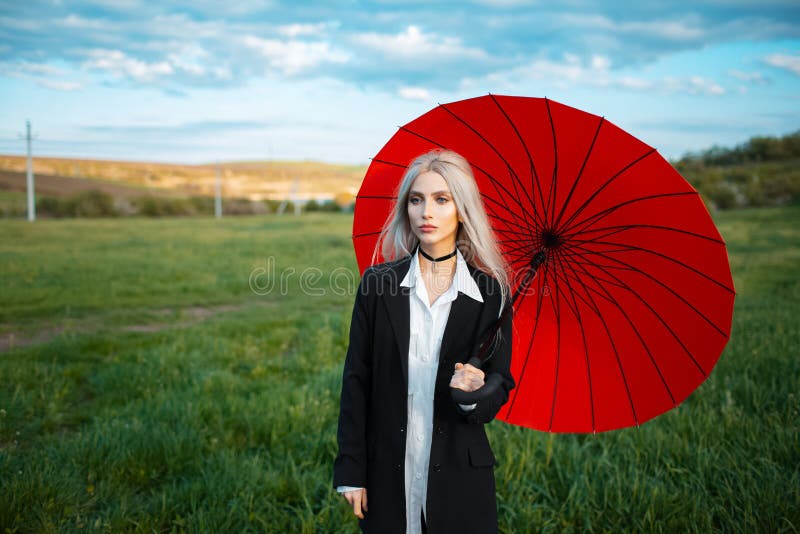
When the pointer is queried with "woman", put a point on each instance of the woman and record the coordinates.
(410, 459)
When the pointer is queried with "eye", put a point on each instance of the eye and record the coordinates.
(442, 200)
(413, 200)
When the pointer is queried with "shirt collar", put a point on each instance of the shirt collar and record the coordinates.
(462, 280)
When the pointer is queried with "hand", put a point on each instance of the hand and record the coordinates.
(467, 378)
(358, 500)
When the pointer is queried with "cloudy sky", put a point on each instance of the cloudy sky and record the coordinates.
(197, 81)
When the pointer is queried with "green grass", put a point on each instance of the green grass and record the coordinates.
(225, 421)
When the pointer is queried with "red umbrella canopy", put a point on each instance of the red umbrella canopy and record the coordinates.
(632, 307)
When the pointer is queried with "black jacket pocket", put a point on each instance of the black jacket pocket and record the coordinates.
(480, 455)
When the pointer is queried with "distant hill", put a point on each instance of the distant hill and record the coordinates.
(253, 180)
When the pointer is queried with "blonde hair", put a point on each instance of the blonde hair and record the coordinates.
(475, 238)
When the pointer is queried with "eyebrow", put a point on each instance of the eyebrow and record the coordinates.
(442, 192)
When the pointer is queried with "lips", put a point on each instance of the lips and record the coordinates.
(427, 228)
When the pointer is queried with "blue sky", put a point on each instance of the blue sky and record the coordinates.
(269, 79)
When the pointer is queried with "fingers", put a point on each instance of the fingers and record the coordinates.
(473, 370)
(467, 377)
(356, 498)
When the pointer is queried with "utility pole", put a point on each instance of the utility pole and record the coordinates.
(29, 174)
(218, 194)
(291, 196)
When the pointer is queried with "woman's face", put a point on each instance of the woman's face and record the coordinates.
(432, 214)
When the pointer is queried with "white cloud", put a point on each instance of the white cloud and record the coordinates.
(637, 84)
(414, 93)
(675, 30)
(505, 3)
(16, 23)
(569, 71)
(753, 77)
(595, 71)
(299, 30)
(668, 29)
(60, 85)
(413, 44)
(784, 61)
(120, 64)
(36, 69)
(82, 23)
(698, 84)
(293, 56)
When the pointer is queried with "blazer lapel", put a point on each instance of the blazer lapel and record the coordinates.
(396, 301)
(464, 313)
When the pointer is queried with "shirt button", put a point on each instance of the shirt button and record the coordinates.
(419, 438)
(397, 467)
(437, 467)
(402, 430)
(418, 476)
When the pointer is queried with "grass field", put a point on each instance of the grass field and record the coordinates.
(145, 386)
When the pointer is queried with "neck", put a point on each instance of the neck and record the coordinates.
(444, 267)
(439, 251)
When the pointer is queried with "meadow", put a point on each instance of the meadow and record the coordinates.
(182, 375)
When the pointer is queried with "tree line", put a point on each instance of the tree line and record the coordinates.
(763, 171)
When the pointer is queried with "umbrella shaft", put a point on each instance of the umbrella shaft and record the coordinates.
(484, 351)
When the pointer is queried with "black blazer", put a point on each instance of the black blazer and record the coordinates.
(373, 412)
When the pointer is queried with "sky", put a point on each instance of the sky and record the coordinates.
(200, 81)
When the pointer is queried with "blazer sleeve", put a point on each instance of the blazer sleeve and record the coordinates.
(350, 466)
(500, 362)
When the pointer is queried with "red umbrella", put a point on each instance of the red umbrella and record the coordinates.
(632, 303)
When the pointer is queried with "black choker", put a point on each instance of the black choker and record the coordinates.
(442, 258)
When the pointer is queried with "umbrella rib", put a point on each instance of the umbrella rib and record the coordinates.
(576, 310)
(655, 253)
(534, 174)
(665, 286)
(654, 312)
(625, 227)
(360, 197)
(504, 206)
(495, 182)
(523, 252)
(551, 193)
(589, 200)
(580, 173)
(355, 236)
(594, 276)
(593, 252)
(638, 335)
(557, 310)
(506, 231)
(390, 163)
(600, 214)
(530, 346)
(593, 305)
(515, 179)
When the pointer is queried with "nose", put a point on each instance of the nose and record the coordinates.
(426, 210)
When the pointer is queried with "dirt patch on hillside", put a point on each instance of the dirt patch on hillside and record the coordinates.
(64, 186)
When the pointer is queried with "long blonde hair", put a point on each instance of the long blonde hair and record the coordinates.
(475, 238)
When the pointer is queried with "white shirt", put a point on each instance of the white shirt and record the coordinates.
(427, 323)
(427, 328)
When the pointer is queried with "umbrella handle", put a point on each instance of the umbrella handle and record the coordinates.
(493, 381)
